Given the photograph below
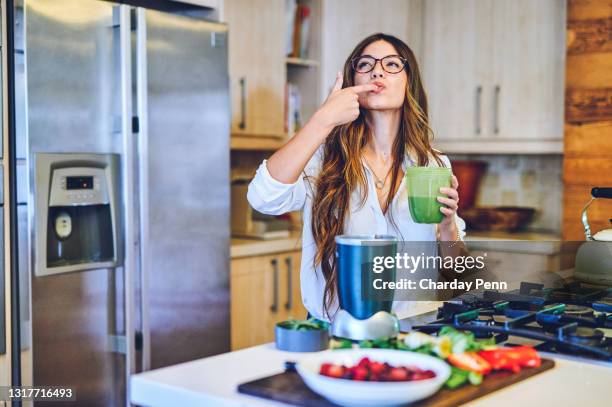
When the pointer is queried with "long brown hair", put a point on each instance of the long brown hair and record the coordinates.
(342, 170)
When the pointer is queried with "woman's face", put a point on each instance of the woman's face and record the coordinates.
(392, 90)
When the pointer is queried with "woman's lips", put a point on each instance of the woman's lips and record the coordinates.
(379, 87)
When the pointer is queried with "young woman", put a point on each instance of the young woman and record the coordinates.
(345, 167)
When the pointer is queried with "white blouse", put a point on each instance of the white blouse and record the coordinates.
(269, 196)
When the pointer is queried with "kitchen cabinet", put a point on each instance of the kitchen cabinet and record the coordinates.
(264, 290)
(456, 66)
(256, 67)
(494, 74)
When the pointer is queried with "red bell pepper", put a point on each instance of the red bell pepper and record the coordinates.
(470, 361)
(511, 358)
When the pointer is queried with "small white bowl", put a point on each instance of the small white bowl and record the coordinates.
(366, 394)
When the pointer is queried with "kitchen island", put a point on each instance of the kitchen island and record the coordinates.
(213, 381)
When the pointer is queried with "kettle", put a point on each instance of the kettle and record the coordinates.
(594, 257)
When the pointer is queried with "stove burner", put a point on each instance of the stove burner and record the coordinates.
(578, 311)
(585, 336)
(483, 321)
(603, 305)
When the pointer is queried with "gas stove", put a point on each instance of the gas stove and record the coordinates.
(574, 320)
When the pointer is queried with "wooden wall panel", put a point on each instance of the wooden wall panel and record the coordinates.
(591, 35)
(588, 71)
(594, 139)
(588, 107)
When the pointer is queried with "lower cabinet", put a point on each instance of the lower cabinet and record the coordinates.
(264, 290)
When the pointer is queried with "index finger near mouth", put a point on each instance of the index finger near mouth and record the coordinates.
(364, 88)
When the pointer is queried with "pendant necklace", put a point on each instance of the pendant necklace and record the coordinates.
(379, 184)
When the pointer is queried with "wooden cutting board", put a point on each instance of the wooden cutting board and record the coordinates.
(289, 388)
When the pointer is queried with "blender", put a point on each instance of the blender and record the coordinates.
(363, 314)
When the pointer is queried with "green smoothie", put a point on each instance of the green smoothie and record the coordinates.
(423, 184)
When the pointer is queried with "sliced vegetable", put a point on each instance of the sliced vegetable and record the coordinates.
(420, 342)
(457, 378)
(465, 341)
(511, 358)
(475, 378)
(470, 361)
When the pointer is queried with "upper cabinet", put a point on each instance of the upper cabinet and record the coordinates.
(529, 69)
(257, 66)
(456, 66)
(494, 73)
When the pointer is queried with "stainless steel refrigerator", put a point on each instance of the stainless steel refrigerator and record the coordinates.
(140, 98)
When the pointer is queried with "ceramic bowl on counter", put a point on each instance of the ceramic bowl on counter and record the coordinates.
(346, 392)
(301, 336)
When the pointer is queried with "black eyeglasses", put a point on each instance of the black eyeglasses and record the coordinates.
(390, 63)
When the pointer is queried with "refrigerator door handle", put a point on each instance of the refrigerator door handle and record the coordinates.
(127, 177)
(143, 174)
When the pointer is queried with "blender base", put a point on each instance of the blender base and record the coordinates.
(380, 325)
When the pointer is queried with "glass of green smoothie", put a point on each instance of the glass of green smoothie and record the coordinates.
(423, 184)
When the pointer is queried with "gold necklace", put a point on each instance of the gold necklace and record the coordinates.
(379, 184)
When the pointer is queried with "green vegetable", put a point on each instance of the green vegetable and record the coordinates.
(343, 344)
(475, 378)
(465, 341)
(457, 378)
(307, 325)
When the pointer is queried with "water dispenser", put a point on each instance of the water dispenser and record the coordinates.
(77, 212)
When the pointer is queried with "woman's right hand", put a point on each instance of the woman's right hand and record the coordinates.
(342, 105)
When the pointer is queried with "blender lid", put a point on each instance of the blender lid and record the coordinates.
(363, 240)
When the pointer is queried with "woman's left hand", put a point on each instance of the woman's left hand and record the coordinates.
(448, 226)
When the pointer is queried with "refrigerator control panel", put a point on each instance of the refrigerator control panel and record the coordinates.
(78, 186)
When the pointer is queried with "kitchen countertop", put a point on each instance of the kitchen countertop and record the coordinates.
(546, 242)
(212, 381)
(244, 247)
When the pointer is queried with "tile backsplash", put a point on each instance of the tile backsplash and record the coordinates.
(523, 180)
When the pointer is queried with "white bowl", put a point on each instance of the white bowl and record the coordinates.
(361, 393)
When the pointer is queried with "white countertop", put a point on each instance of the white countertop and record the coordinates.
(212, 382)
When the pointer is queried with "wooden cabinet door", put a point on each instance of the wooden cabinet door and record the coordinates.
(526, 93)
(255, 300)
(292, 296)
(456, 66)
(257, 66)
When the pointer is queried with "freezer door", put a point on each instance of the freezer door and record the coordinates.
(186, 187)
(72, 50)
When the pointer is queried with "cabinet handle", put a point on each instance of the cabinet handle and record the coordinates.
(289, 303)
(478, 114)
(496, 109)
(274, 306)
(243, 102)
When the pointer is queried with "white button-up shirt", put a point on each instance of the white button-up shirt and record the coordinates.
(269, 196)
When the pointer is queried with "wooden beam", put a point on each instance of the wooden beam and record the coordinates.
(588, 71)
(588, 9)
(591, 139)
(588, 105)
(588, 170)
(592, 35)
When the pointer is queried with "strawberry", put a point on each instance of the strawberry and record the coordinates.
(360, 373)
(377, 368)
(324, 369)
(398, 374)
(365, 362)
(336, 371)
